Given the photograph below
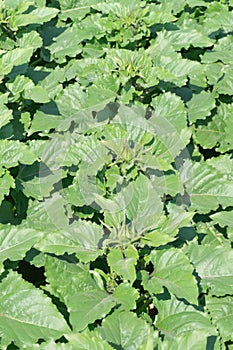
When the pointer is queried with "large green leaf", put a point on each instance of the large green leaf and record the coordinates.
(74, 99)
(225, 45)
(16, 241)
(27, 314)
(214, 267)
(168, 226)
(195, 339)
(212, 135)
(225, 83)
(132, 213)
(37, 181)
(129, 331)
(186, 36)
(126, 296)
(51, 345)
(169, 123)
(200, 106)
(6, 116)
(217, 133)
(213, 21)
(18, 85)
(45, 121)
(48, 215)
(223, 218)
(206, 187)
(175, 318)
(39, 15)
(223, 164)
(170, 108)
(221, 313)
(86, 307)
(16, 57)
(59, 273)
(83, 238)
(31, 39)
(37, 94)
(172, 270)
(13, 152)
(142, 204)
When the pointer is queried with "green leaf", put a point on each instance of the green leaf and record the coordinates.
(59, 274)
(211, 236)
(123, 262)
(37, 94)
(74, 99)
(225, 45)
(81, 341)
(221, 312)
(73, 194)
(78, 341)
(223, 218)
(200, 106)
(169, 123)
(82, 238)
(129, 331)
(223, 164)
(169, 108)
(218, 131)
(214, 72)
(225, 83)
(52, 79)
(142, 203)
(48, 216)
(175, 318)
(174, 68)
(51, 345)
(31, 39)
(45, 14)
(187, 36)
(45, 121)
(195, 339)
(126, 296)
(39, 15)
(212, 135)
(37, 181)
(12, 152)
(14, 57)
(6, 183)
(27, 314)
(18, 85)
(214, 266)
(86, 307)
(15, 241)
(6, 114)
(213, 21)
(206, 187)
(172, 270)
(167, 227)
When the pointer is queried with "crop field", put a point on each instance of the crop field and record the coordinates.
(116, 174)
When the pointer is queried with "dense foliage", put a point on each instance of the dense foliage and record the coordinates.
(116, 174)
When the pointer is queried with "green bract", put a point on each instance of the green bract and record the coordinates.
(116, 191)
